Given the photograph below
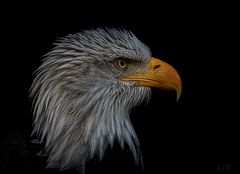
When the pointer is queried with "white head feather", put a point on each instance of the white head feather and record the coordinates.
(80, 105)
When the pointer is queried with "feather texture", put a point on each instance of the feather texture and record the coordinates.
(80, 105)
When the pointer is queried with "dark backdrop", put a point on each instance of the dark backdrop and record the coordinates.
(198, 134)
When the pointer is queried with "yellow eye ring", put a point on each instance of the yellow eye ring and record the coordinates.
(122, 64)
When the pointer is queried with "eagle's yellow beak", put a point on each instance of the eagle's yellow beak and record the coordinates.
(157, 74)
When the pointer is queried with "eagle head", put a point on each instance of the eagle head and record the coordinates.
(84, 90)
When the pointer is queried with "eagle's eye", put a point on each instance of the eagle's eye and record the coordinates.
(121, 64)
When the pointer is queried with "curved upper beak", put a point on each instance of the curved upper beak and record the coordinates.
(157, 74)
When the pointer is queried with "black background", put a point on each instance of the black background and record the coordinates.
(198, 134)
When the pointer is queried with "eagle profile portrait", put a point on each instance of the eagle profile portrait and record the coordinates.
(85, 89)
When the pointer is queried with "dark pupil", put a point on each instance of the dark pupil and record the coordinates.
(122, 63)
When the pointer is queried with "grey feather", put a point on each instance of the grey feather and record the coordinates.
(80, 106)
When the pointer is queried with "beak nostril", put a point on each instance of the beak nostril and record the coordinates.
(156, 67)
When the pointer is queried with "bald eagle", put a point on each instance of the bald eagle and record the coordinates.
(84, 90)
